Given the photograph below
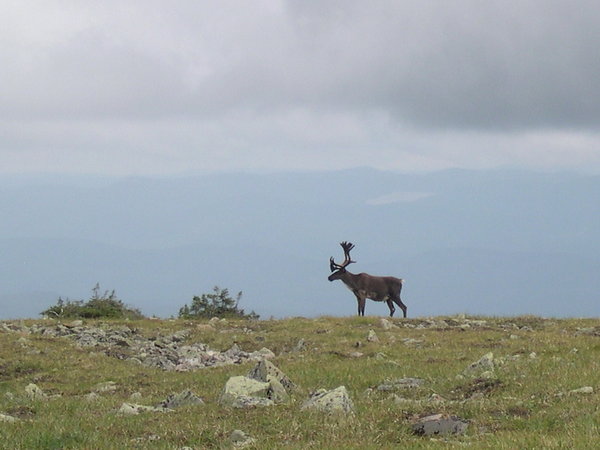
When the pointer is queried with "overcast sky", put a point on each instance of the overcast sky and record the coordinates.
(155, 87)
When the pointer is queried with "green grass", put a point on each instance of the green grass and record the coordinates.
(528, 406)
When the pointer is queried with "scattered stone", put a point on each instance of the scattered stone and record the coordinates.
(91, 397)
(401, 383)
(412, 342)
(333, 401)
(372, 337)
(591, 331)
(246, 402)
(240, 439)
(385, 324)
(164, 352)
(74, 324)
(135, 396)
(263, 353)
(583, 390)
(439, 424)
(132, 409)
(484, 364)
(300, 346)
(34, 392)
(184, 398)
(241, 386)
(280, 385)
(107, 386)
(7, 418)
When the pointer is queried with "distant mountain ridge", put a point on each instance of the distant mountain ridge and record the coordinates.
(490, 242)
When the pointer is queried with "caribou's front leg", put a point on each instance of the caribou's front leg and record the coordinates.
(391, 306)
(361, 304)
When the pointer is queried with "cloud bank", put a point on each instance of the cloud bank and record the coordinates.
(146, 87)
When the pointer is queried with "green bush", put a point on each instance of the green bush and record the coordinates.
(105, 305)
(217, 304)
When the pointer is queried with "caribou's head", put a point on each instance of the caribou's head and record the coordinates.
(340, 269)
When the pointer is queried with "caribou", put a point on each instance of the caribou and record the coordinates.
(364, 286)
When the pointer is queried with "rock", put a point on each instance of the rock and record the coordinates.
(356, 355)
(385, 324)
(91, 397)
(280, 386)
(372, 336)
(412, 342)
(241, 386)
(74, 324)
(135, 396)
(300, 346)
(439, 424)
(484, 364)
(8, 419)
(245, 402)
(590, 331)
(184, 398)
(263, 353)
(401, 383)
(266, 371)
(334, 401)
(132, 409)
(34, 392)
(240, 439)
(583, 390)
(107, 386)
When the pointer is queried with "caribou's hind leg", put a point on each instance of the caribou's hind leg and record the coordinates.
(398, 302)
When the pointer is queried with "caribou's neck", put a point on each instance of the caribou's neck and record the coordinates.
(350, 280)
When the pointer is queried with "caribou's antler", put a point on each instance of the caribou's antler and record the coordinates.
(347, 246)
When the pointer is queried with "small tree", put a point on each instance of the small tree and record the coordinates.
(217, 304)
(105, 305)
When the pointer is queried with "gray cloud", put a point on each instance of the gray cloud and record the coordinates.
(303, 84)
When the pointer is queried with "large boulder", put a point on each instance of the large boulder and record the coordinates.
(243, 387)
(439, 424)
(267, 372)
(184, 398)
(333, 401)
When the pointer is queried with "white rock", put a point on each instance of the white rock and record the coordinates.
(107, 386)
(7, 418)
(34, 392)
(240, 439)
(372, 336)
(583, 390)
(132, 409)
(243, 386)
(334, 401)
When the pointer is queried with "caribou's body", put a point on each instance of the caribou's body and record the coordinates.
(364, 286)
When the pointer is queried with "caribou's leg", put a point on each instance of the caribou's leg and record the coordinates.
(361, 305)
(398, 302)
(391, 306)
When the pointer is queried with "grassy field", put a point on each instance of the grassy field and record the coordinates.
(528, 403)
